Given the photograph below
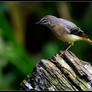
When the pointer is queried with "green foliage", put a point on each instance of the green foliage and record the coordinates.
(50, 49)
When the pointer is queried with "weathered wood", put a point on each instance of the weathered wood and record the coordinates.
(62, 72)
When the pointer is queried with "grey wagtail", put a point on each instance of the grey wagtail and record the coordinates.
(64, 29)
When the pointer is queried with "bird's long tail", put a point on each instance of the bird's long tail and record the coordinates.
(87, 40)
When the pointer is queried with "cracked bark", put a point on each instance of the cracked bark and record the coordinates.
(62, 72)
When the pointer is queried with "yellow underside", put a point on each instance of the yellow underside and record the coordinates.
(69, 38)
(72, 38)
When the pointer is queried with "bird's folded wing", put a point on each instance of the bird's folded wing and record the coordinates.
(77, 31)
(72, 28)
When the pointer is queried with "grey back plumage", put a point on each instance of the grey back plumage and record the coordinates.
(54, 20)
(67, 23)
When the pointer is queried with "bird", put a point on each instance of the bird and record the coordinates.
(64, 30)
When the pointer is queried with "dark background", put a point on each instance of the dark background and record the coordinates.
(23, 43)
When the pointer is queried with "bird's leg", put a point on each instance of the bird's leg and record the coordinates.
(64, 45)
(69, 46)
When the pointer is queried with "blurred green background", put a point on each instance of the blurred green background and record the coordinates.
(23, 43)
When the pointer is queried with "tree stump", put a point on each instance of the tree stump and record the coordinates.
(62, 72)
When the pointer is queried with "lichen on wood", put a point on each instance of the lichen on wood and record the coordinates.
(62, 72)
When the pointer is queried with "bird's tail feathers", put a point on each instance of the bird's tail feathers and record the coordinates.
(86, 39)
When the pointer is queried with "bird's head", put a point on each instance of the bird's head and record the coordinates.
(48, 20)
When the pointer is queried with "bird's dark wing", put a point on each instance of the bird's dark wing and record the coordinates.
(77, 31)
(73, 29)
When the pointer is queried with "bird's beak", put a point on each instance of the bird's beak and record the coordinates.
(39, 22)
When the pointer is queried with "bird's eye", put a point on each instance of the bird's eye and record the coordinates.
(44, 20)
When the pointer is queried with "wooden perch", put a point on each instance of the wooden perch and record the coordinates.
(62, 72)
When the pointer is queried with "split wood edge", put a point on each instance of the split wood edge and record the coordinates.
(62, 72)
